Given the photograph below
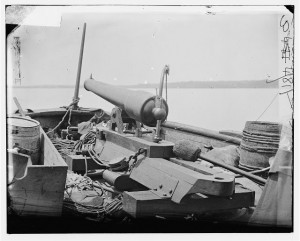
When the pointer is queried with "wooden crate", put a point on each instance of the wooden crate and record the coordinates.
(38, 189)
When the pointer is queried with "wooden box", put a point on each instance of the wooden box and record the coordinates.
(76, 163)
(37, 189)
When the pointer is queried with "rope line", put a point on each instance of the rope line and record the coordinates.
(267, 107)
(62, 120)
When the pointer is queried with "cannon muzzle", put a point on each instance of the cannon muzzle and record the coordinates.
(139, 105)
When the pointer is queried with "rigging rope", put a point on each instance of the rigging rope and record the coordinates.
(69, 108)
(267, 107)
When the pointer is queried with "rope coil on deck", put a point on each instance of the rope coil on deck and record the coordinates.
(89, 198)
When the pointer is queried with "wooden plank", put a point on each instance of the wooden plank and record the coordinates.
(40, 192)
(50, 155)
(61, 111)
(147, 204)
(49, 118)
(19, 107)
(173, 135)
(201, 132)
(164, 149)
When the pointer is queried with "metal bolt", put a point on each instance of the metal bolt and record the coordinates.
(171, 191)
(160, 186)
(155, 189)
(164, 194)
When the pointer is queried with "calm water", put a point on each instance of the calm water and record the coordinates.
(216, 109)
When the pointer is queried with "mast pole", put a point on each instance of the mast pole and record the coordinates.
(76, 92)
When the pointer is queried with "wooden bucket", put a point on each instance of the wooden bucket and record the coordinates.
(25, 134)
(260, 141)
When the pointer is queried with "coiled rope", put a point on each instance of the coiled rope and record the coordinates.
(87, 144)
(64, 147)
(97, 211)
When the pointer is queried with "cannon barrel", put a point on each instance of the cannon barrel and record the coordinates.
(139, 105)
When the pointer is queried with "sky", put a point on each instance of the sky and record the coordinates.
(131, 46)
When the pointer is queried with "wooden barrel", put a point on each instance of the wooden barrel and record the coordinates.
(260, 141)
(25, 134)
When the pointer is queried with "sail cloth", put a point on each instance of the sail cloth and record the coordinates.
(275, 205)
(229, 155)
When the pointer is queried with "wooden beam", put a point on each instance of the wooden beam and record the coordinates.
(201, 132)
(146, 203)
(163, 149)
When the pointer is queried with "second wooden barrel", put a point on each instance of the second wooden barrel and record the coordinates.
(260, 141)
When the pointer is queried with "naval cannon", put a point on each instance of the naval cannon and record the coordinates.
(152, 163)
(139, 105)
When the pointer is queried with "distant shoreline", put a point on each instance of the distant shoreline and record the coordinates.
(260, 84)
(132, 87)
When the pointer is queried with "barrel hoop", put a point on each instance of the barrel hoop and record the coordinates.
(267, 147)
(259, 150)
(264, 130)
(259, 134)
(249, 167)
(263, 126)
(273, 137)
(260, 142)
(22, 134)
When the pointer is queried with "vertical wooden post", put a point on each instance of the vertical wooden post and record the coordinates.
(17, 65)
(75, 98)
